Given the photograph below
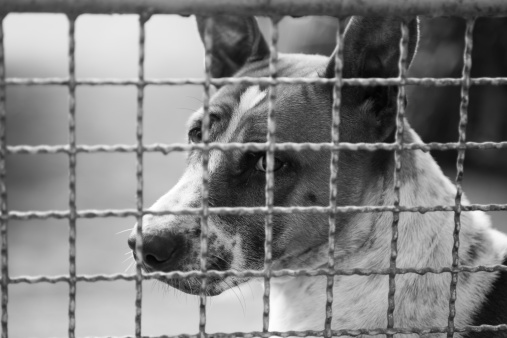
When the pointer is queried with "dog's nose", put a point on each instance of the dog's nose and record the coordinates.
(161, 251)
(132, 241)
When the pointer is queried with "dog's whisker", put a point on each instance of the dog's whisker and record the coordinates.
(189, 284)
(242, 295)
(127, 259)
(123, 231)
(250, 287)
(218, 257)
(182, 108)
(194, 98)
(128, 267)
(237, 297)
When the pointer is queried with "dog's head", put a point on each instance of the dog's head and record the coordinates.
(238, 113)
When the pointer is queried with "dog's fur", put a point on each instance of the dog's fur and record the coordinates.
(303, 114)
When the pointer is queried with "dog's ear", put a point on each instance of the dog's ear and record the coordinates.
(371, 48)
(236, 41)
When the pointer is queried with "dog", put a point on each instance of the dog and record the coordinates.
(300, 241)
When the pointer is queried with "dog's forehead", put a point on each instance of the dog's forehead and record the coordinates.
(287, 65)
(244, 107)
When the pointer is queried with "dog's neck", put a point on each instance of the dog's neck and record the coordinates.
(425, 240)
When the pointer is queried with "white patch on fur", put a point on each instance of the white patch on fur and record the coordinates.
(248, 100)
(499, 242)
(238, 259)
(183, 194)
(215, 159)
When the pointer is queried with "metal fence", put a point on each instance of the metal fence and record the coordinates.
(275, 9)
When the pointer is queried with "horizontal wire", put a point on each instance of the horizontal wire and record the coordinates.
(426, 81)
(253, 274)
(251, 146)
(335, 333)
(104, 213)
(262, 7)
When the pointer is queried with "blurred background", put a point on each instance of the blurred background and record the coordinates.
(36, 46)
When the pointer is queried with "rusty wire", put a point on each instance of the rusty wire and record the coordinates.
(336, 333)
(208, 48)
(333, 181)
(465, 88)
(3, 188)
(139, 174)
(254, 273)
(94, 213)
(270, 177)
(400, 123)
(72, 178)
(370, 82)
(262, 7)
(270, 147)
(251, 146)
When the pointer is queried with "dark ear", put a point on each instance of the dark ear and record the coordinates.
(371, 48)
(236, 41)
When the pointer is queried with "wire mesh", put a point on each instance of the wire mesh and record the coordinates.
(208, 47)
(465, 88)
(72, 178)
(270, 178)
(400, 122)
(263, 8)
(333, 181)
(270, 147)
(3, 186)
(139, 174)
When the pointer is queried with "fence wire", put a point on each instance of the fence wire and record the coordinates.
(72, 177)
(465, 88)
(270, 147)
(265, 8)
(270, 177)
(208, 47)
(3, 187)
(333, 181)
(139, 174)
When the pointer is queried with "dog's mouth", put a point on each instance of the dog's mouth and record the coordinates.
(192, 285)
(214, 286)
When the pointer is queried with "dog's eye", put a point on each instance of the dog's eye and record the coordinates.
(262, 164)
(195, 135)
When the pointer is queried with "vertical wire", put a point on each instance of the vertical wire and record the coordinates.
(3, 186)
(72, 177)
(463, 112)
(270, 178)
(333, 181)
(143, 18)
(208, 47)
(400, 118)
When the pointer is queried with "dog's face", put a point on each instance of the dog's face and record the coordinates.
(238, 113)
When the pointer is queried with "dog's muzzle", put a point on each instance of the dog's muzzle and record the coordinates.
(161, 251)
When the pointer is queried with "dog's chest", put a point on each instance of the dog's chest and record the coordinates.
(296, 304)
(361, 302)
